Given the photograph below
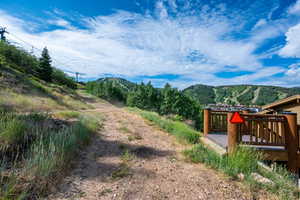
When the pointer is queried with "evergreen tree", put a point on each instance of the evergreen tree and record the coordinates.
(45, 68)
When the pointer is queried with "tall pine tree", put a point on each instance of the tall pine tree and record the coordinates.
(45, 68)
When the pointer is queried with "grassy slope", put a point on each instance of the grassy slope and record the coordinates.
(234, 94)
(36, 148)
(25, 93)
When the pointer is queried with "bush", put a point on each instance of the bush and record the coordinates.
(61, 78)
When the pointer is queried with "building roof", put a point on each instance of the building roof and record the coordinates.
(282, 101)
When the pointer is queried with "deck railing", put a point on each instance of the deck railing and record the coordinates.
(268, 130)
(218, 121)
(259, 130)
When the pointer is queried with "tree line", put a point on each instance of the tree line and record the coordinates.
(19, 59)
(165, 101)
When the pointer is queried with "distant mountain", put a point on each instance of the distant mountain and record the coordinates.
(121, 83)
(230, 94)
(239, 94)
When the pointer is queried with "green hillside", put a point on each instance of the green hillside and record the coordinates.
(122, 83)
(239, 94)
(205, 94)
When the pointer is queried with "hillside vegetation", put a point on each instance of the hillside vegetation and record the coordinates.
(239, 94)
(40, 131)
(23, 88)
(166, 101)
(118, 88)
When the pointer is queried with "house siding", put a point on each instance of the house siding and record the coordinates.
(291, 108)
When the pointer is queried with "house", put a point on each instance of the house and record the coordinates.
(289, 104)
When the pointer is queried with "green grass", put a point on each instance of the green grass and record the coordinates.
(12, 131)
(68, 114)
(44, 152)
(245, 161)
(180, 130)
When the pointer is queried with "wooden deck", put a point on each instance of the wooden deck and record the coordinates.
(221, 139)
(275, 136)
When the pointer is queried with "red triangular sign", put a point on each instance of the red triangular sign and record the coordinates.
(237, 118)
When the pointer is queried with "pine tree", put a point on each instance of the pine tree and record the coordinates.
(45, 68)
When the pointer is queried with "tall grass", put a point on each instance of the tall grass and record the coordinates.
(245, 161)
(45, 156)
(180, 130)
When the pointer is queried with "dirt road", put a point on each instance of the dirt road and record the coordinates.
(130, 159)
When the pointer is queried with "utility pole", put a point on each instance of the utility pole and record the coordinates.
(77, 74)
(2, 32)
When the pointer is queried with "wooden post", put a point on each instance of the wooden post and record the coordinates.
(292, 143)
(206, 121)
(246, 131)
(232, 131)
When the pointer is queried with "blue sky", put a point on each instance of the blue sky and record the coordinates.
(183, 42)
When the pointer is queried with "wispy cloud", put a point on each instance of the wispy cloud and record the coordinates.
(295, 9)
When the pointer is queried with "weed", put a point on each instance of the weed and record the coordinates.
(127, 156)
(122, 172)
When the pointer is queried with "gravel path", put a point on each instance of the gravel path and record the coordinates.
(130, 159)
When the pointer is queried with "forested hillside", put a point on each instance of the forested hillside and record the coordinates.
(166, 101)
(118, 88)
(239, 94)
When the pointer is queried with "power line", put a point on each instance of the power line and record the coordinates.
(33, 47)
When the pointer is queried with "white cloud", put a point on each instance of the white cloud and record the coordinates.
(131, 44)
(260, 23)
(292, 47)
(295, 9)
(60, 22)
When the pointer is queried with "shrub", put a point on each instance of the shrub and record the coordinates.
(61, 78)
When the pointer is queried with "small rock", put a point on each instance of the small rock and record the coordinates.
(259, 178)
(241, 176)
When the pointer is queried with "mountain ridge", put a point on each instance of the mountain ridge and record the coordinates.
(246, 94)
